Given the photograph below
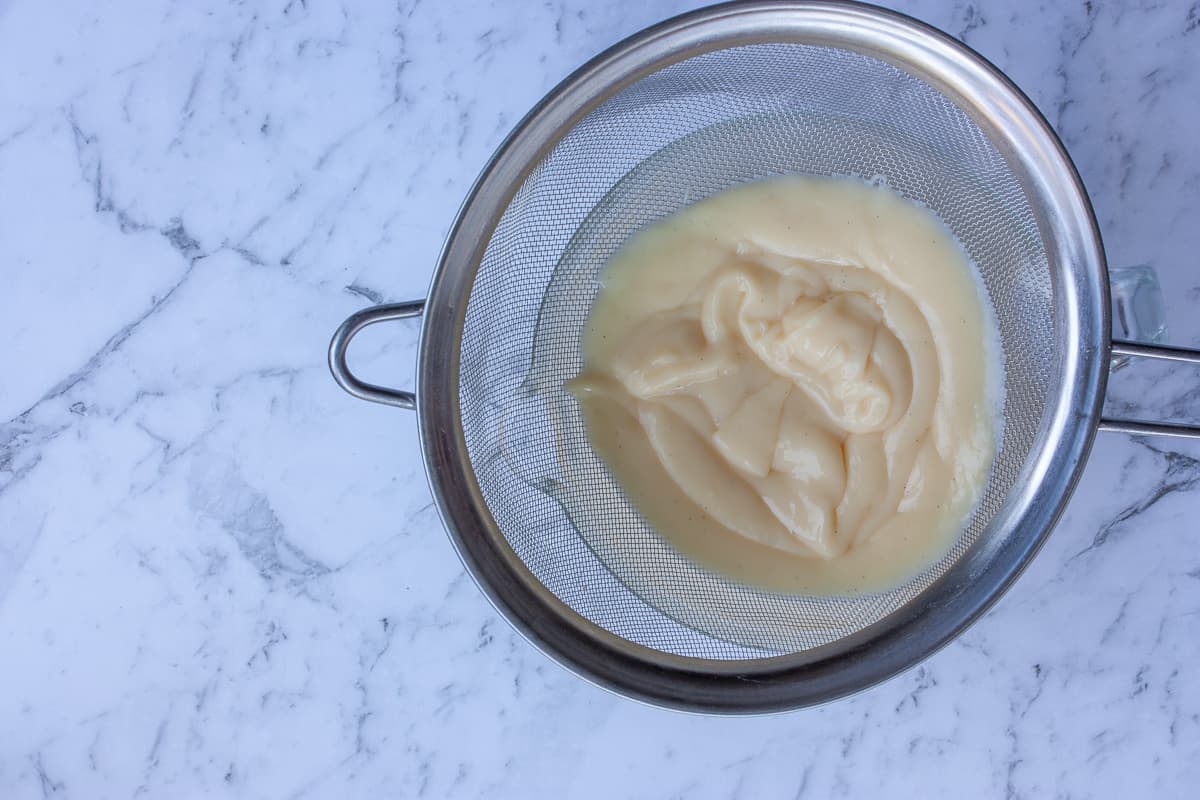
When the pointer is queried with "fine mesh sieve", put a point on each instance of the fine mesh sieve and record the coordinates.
(704, 102)
(708, 123)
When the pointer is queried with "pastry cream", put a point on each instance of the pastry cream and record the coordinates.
(794, 381)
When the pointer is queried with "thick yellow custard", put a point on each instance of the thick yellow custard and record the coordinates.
(795, 381)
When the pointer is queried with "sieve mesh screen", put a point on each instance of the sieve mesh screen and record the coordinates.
(681, 134)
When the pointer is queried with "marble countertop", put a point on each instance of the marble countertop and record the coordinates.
(221, 576)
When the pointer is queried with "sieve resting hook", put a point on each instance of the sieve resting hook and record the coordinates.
(341, 343)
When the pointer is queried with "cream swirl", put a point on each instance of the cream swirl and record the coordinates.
(805, 359)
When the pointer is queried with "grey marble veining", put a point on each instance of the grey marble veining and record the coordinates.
(221, 576)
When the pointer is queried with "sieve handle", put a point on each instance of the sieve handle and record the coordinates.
(341, 343)
(1162, 353)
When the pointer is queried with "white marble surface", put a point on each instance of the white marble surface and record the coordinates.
(221, 576)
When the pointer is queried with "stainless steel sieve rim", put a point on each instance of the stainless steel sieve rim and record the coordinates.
(916, 630)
